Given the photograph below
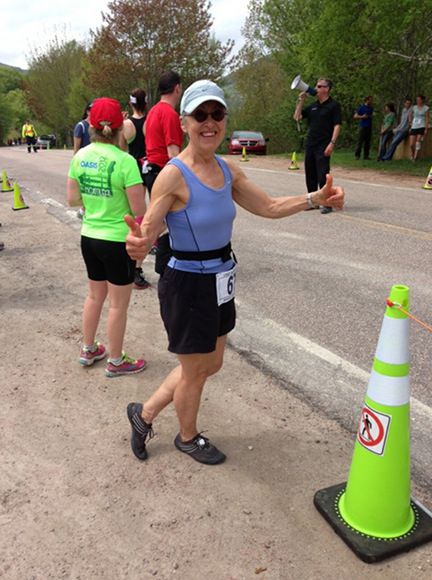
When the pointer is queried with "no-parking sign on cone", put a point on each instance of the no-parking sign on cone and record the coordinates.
(373, 511)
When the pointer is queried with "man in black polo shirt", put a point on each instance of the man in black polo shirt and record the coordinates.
(325, 119)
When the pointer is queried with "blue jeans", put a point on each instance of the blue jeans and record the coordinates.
(384, 139)
(397, 138)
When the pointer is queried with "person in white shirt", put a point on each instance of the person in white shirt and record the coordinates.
(419, 122)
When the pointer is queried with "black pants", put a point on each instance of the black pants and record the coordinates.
(317, 165)
(149, 177)
(31, 141)
(364, 142)
(163, 248)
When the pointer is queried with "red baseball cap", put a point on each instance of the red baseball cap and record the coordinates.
(105, 111)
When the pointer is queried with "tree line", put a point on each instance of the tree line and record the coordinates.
(136, 42)
(377, 47)
(366, 47)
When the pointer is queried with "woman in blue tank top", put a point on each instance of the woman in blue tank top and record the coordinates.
(196, 194)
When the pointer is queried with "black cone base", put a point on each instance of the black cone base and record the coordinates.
(368, 548)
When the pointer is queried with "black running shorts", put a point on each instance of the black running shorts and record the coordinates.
(192, 318)
(417, 131)
(107, 261)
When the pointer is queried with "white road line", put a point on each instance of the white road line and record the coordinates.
(279, 339)
(353, 181)
(53, 202)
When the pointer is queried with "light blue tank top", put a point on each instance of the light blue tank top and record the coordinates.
(205, 223)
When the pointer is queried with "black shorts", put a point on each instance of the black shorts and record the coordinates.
(417, 131)
(149, 176)
(107, 261)
(192, 318)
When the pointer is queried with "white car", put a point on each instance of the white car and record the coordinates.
(46, 142)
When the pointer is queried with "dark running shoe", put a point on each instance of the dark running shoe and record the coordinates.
(200, 449)
(139, 280)
(140, 430)
(326, 209)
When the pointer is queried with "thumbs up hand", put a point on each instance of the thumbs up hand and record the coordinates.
(330, 195)
(137, 246)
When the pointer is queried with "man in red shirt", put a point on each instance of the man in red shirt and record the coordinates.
(164, 139)
(163, 132)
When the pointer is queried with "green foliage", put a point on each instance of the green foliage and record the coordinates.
(10, 79)
(6, 119)
(139, 39)
(377, 47)
(12, 107)
(264, 104)
(51, 76)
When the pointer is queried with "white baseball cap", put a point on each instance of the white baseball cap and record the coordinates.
(201, 92)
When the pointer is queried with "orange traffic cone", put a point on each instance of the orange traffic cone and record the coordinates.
(18, 199)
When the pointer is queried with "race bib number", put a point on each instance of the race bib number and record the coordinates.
(225, 285)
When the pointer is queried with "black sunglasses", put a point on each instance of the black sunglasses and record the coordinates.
(322, 86)
(200, 115)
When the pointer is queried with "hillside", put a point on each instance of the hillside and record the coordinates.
(14, 68)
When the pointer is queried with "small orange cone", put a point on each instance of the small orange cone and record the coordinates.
(428, 184)
(18, 199)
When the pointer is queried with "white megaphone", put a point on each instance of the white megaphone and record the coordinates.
(300, 85)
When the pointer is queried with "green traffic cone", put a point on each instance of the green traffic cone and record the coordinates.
(377, 497)
(373, 512)
(293, 165)
(19, 202)
(428, 183)
(6, 186)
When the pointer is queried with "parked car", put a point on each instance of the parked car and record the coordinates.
(46, 142)
(253, 141)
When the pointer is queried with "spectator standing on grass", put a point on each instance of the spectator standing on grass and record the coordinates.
(401, 131)
(106, 181)
(325, 119)
(419, 122)
(364, 115)
(29, 134)
(133, 140)
(386, 132)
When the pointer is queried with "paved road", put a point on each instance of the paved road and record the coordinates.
(311, 288)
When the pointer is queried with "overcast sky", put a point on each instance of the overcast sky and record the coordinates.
(26, 25)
